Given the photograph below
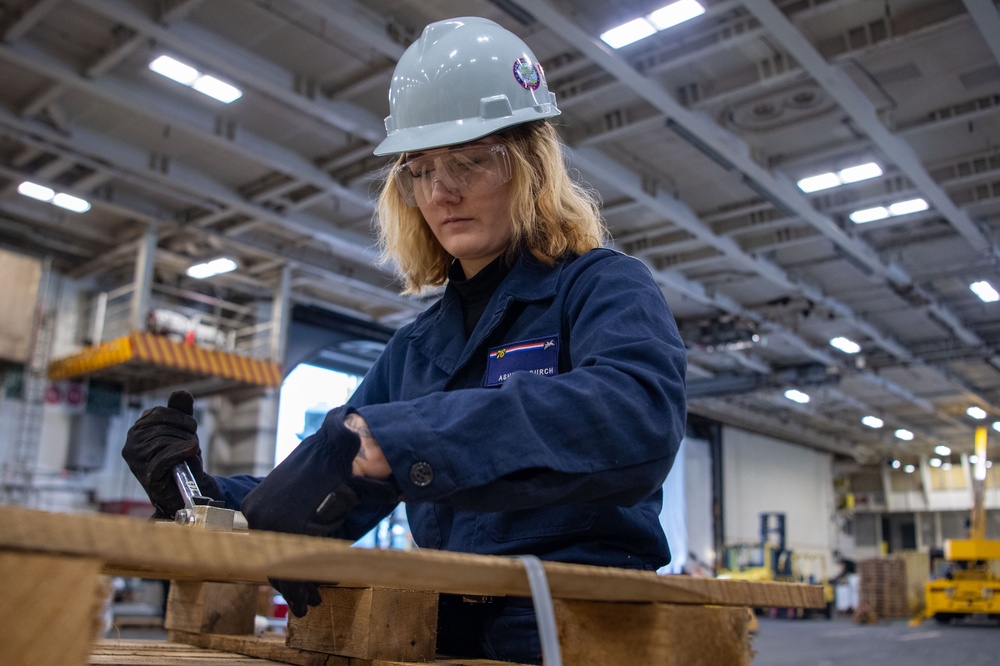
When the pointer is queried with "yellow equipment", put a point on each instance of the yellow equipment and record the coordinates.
(771, 561)
(968, 586)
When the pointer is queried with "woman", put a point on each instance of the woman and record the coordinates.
(536, 408)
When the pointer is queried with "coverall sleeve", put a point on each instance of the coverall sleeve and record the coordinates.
(605, 431)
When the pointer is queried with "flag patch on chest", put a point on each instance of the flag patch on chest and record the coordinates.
(539, 357)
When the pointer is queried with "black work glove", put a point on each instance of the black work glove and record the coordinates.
(159, 440)
(311, 492)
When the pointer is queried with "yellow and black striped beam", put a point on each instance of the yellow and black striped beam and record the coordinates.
(152, 352)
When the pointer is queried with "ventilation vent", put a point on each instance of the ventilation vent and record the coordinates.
(897, 74)
(971, 106)
(981, 76)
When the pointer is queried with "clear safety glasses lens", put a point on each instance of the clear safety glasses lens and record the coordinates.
(464, 171)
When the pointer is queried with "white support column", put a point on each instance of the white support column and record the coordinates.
(280, 315)
(144, 260)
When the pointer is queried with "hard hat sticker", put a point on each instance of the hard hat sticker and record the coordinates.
(527, 74)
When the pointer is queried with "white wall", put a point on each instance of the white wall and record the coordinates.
(763, 474)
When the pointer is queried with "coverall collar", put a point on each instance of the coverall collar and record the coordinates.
(441, 335)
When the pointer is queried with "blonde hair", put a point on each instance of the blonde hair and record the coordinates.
(553, 215)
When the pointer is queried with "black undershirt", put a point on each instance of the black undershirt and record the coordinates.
(475, 293)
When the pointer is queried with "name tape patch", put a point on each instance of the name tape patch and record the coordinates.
(539, 357)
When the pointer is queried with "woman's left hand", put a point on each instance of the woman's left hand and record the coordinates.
(370, 461)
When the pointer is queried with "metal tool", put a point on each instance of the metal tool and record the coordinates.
(204, 512)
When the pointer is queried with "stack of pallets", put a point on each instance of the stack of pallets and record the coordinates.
(883, 586)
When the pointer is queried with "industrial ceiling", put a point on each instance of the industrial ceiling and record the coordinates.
(695, 138)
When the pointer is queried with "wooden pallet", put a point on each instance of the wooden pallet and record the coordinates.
(51, 565)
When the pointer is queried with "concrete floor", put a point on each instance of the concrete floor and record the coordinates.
(841, 642)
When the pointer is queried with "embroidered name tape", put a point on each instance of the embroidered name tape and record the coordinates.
(539, 356)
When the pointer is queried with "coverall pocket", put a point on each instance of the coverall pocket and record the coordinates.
(529, 524)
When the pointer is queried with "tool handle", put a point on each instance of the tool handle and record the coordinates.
(186, 483)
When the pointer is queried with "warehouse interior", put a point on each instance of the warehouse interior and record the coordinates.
(814, 185)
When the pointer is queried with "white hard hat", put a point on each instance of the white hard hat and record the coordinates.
(463, 79)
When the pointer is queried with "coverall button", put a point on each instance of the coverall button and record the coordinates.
(421, 474)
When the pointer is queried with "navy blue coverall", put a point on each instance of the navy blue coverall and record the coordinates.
(548, 431)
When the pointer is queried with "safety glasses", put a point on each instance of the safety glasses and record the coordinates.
(463, 171)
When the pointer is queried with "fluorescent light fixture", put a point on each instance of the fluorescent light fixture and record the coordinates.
(869, 215)
(896, 464)
(942, 450)
(189, 76)
(36, 191)
(983, 289)
(996, 426)
(894, 210)
(872, 421)
(675, 13)
(216, 89)
(628, 33)
(69, 202)
(47, 194)
(661, 19)
(845, 345)
(211, 268)
(860, 172)
(909, 469)
(976, 413)
(903, 433)
(174, 70)
(934, 462)
(907, 207)
(797, 396)
(825, 181)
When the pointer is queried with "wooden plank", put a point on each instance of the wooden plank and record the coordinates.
(369, 623)
(213, 608)
(50, 608)
(134, 547)
(274, 648)
(597, 634)
(112, 652)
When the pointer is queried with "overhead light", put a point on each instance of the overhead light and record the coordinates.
(985, 291)
(47, 194)
(909, 469)
(797, 396)
(211, 268)
(903, 433)
(881, 212)
(845, 345)
(872, 421)
(675, 13)
(36, 191)
(187, 75)
(976, 413)
(934, 462)
(973, 459)
(220, 90)
(869, 215)
(896, 464)
(661, 19)
(69, 202)
(907, 207)
(860, 172)
(942, 450)
(996, 426)
(825, 181)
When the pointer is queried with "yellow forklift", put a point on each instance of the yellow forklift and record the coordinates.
(965, 584)
(770, 560)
